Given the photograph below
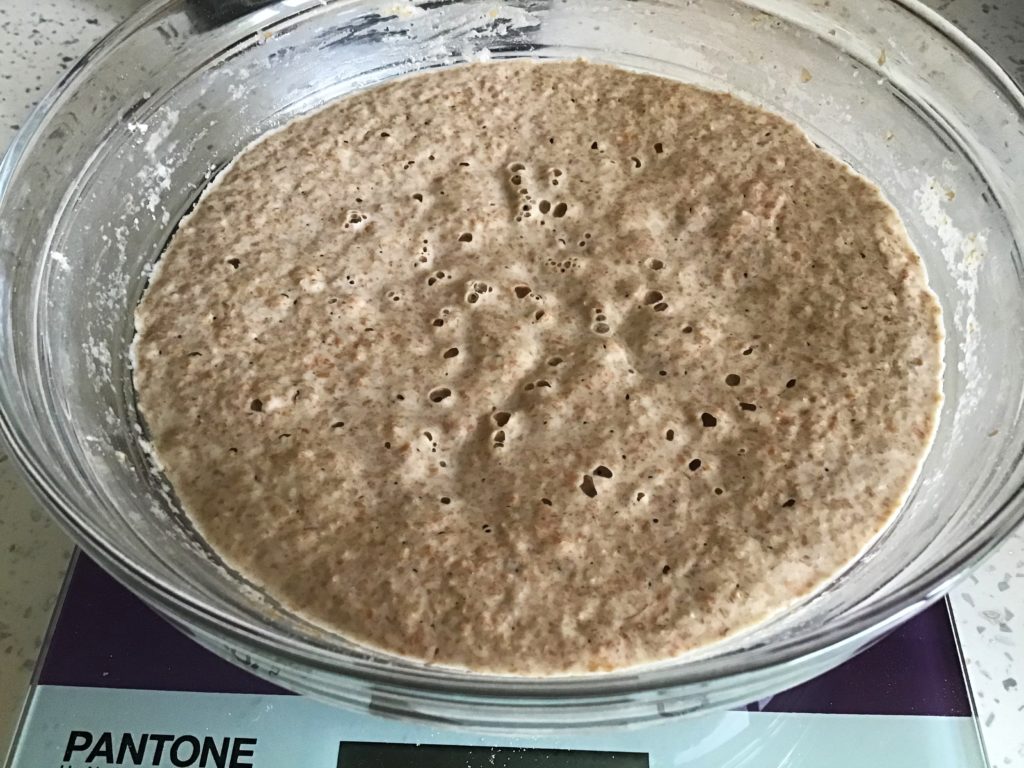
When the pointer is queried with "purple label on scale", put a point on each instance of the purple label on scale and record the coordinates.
(105, 637)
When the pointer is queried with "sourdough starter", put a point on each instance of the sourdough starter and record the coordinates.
(539, 368)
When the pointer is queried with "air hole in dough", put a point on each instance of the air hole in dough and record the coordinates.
(437, 395)
(587, 486)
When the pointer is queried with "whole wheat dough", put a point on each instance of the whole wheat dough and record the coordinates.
(539, 368)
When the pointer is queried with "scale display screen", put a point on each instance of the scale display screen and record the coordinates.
(368, 754)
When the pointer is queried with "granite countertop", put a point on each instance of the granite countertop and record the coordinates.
(39, 39)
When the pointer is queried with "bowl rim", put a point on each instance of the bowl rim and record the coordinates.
(861, 624)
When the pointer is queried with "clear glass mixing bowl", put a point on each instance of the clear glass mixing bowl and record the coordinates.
(94, 184)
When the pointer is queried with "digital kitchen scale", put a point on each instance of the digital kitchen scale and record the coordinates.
(117, 685)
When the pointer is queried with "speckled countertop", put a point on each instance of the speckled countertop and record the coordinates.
(39, 39)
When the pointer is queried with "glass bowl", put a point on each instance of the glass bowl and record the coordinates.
(94, 184)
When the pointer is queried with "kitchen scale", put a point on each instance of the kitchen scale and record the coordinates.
(117, 685)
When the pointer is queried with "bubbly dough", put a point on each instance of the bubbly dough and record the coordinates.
(539, 368)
